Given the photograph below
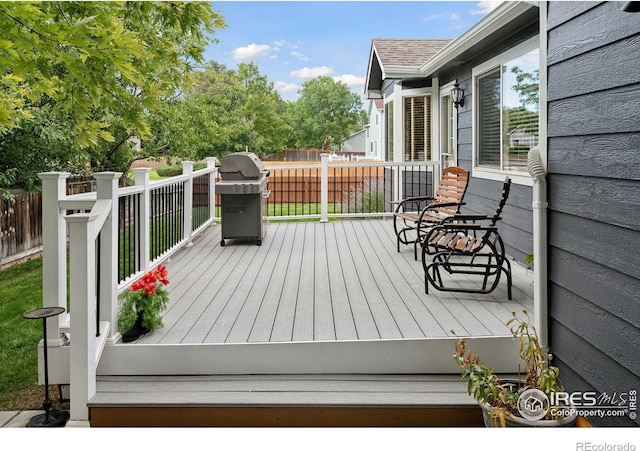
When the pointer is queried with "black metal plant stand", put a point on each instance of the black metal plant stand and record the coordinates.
(51, 418)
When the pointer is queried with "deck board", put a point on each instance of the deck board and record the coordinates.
(311, 281)
(380, 390)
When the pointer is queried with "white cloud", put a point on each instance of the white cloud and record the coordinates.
(485, 7)
(300, 56)
(311, 72)
(431, 18)
(350, 80)
(283, 86)
(454, 17)
(250, 51)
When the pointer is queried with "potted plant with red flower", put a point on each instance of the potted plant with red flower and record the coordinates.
(143, 304)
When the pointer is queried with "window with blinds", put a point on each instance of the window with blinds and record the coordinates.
(489, 134)
(389, 115)
(448, 133)
(507, 116)
(417, 128)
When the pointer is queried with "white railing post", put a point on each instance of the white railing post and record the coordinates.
(435, 176)
(142, 179)
(324, 187)
(187, 169)
(211, 163)
(107, 187)
(82, 304)
(54, 251)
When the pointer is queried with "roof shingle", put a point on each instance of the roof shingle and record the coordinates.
(407, 52)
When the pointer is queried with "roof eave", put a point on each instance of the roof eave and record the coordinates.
(499, 17)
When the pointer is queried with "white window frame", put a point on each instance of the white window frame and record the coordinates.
(445, 91)
(522, 178)
(417, 92)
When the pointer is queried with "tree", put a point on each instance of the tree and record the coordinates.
(266, 110)
(528, 87)
(94, 69)
(325, 113)
(222, 111)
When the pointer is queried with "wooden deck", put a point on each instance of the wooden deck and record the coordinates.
(315, 298)
(311, 281)
(325, 324)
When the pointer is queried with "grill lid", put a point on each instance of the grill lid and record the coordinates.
(242, 166)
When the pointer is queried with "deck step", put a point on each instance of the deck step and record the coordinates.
(283, 400)
(407, 356)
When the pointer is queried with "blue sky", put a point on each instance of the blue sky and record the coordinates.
(294, 41)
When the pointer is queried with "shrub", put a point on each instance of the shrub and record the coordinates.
(366, 197)
(172, 170)
(169, 170)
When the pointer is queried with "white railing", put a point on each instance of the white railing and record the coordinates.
(117, 234)
(340, 190)
(162, 217)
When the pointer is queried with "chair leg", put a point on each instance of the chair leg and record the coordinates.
(507, 271)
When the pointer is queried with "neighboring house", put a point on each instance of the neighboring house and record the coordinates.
(583, 55)
(394, 76)
(519, 136)
(375, 131)
(356, 143)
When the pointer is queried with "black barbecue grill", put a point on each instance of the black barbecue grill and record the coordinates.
(243, 192)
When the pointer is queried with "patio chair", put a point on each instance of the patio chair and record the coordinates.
(463, 245)
(414, 216)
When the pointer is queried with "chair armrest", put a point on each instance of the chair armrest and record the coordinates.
(464, 217)
(443, 204)
(411, 199)
(456, 228)
(464, 227)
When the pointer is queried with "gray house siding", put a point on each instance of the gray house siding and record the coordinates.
(594, 197)
(516, 227)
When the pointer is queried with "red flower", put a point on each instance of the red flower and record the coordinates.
(162, 274)
(148, 282)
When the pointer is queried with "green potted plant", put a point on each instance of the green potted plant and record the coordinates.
(525, 401)
(143, 305)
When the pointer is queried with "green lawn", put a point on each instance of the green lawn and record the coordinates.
(21, 288)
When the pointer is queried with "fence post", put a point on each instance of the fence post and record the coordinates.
(144, 221)
(211, 163)
(107, 188)
(324, 187)
(82, 303)
(54, 251)
(187, 215)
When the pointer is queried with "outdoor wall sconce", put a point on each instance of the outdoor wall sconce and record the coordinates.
(457, 96)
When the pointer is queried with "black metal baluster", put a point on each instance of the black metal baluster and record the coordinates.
(98, 266)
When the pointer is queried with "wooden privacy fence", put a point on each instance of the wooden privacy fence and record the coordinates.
(21, 221)
(303, 185)
(20, 227)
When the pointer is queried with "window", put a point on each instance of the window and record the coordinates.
(389, 116)
(417, 128)
(448, 132)
(507, 110)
